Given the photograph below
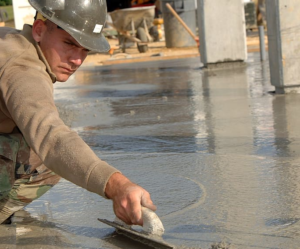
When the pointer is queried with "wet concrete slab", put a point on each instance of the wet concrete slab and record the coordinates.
(218, 152)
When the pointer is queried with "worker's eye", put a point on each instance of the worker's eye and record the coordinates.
(68, 43)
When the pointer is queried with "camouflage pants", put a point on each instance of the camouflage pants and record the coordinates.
(23, 177)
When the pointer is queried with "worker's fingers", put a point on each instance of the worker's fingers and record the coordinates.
(135, 212)
(128, 199)
(124, 218)
(142, 198)
(121, 213)
(127, 207)
(147, 202)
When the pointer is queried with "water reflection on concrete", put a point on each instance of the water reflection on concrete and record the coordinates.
(218, 152)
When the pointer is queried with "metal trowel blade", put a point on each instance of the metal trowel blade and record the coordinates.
(147, 239)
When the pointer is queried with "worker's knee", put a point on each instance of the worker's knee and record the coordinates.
(23, 177)
(28, 189)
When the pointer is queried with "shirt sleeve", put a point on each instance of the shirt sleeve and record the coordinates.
(28, 95)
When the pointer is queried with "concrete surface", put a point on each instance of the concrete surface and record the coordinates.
(217, 150)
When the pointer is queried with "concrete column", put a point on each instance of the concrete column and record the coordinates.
(23, 13)
(283, 20)
(222, 31)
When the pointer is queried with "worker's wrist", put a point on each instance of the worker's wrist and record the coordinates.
(115, 184)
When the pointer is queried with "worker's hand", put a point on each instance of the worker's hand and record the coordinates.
(128, 198)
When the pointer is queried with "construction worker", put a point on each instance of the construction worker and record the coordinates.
(36, 147)
(260, 12)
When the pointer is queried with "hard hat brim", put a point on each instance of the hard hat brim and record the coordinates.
(100, 44)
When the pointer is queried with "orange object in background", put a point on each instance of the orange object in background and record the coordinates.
(158, 21)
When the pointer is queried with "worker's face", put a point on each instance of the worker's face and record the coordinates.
(63, 53)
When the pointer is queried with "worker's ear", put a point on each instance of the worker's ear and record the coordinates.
(38, 30)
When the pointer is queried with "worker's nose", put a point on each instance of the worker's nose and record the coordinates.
(77, 57)
(76, 60)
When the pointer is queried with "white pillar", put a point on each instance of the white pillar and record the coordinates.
(23, 13)
(283, 20)
(222, 31)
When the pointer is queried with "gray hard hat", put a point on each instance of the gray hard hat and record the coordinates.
(82, 19)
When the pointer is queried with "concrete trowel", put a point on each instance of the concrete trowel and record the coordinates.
(151, 233)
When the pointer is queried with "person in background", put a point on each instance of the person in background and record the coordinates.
(260, 12)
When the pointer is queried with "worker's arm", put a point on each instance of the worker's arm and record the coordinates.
(128, 198)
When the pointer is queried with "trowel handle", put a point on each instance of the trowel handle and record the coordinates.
(151, 222)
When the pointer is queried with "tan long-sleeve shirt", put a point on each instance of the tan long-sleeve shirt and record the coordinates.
(26, 101)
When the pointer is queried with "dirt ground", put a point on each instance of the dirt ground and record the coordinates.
(156, 51)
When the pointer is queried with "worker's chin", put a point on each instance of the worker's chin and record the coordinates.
(62, 77)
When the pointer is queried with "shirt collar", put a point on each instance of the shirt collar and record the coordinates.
(27, 33)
